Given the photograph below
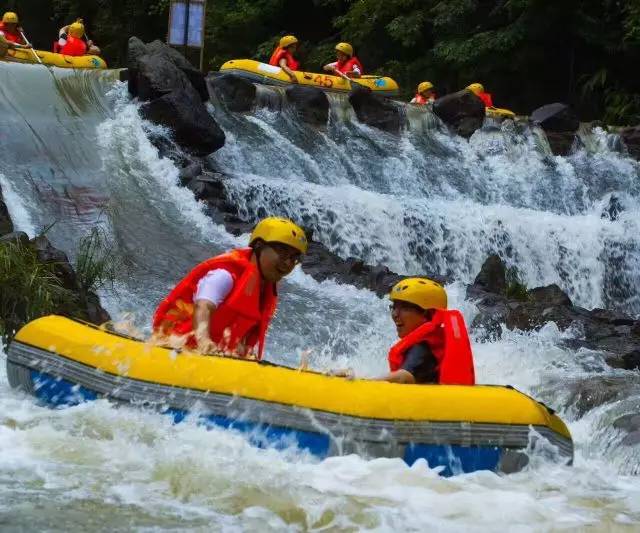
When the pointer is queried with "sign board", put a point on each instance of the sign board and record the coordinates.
(186, 21)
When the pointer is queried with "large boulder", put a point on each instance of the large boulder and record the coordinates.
(463, 111)
(137, 50)
(555, 117)
(311, 104)
(493, 275)
(236, 93)
(559, 123)
(157, 77)
(194, 129)
(194, 75)
(375, 110)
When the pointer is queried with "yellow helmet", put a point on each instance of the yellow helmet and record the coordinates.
(282, 230)
(287, 40)
(476, 88)
(345, 48)
(76, 30)
(423, 292)
(10, 18)
(424, 86)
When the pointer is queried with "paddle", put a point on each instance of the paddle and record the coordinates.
(24, 38)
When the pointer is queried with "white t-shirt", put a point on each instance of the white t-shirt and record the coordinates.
(214, 287)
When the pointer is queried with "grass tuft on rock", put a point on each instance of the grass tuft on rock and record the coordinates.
(28, 288)
(516, 288)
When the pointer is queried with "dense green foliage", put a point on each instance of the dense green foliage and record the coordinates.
(527, 52)
(30, 289)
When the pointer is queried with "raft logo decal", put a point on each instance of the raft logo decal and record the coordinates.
(379, 82)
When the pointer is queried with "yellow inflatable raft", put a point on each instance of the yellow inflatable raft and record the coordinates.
(270, 75)
(51, 59)
(461, 429)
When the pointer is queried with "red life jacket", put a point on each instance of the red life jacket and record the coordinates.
(74, 47)
(10, 36)
(486, 98)
(421, 100)
(241, 319)
(347, 66)
(280, 53)
(446, 335)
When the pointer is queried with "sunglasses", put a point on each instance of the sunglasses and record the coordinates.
(285, 253)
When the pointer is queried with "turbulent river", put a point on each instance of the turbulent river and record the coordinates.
(76, 155)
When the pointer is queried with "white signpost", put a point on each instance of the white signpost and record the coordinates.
(186, 25)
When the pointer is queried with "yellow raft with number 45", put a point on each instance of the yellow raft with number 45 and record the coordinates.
(51, 59)
(458, 428)
(270, 75)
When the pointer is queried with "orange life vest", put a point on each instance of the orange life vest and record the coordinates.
(74, 47)
(421, 100)
(446, 335)
(347, 66)
(10, 36)
(241, 320)
(280, 53)
(486, 98)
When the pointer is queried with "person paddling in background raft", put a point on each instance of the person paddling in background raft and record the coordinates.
(283, 56)
(347, 64)
(434, 345)
(426, 94)
(478, 90)
(12, 32)
(225, 304)
(72, 41)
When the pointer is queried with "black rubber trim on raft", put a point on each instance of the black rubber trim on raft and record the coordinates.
(353, 430)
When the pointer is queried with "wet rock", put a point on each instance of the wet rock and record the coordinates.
(15, 237)
(627, 361)
(310, 103)
(561, 143)
(139, 53)
(135, 50)
(48, 254)
(375, 110)
(628, 423)
(614, 334)
(6, 226)
(190, 172)
(492, 276)
(236, 93)
(632, 439)
(631, 138)
(588, 393)
(195, 77)
(560, 124)
(463, 111)
(194, 129)
(556, 117)
(96, 314)
(157, 77)
(613, 209)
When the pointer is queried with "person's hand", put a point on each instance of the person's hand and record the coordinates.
(293, 78)
(207, 346)
(346, 373)
(28, 45)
